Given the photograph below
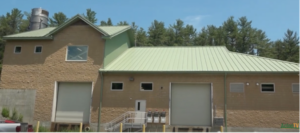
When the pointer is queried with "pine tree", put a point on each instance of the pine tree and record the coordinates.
(231, 30)
(90, 15)
(103, 23)
(122, 23)
(109, 22)
(291, 44)
(157, 33)
(141, 38)
(58, 19)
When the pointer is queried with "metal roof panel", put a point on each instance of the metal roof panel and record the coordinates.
(195, 59)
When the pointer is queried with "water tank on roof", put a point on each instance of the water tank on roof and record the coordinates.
(39, 19)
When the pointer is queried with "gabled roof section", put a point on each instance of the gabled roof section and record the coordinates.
(47, 33)
(74, 19)
(113, 31)
(196, 59)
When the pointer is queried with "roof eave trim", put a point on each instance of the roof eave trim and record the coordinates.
(72, 20)
(28, 38)
(228, 72)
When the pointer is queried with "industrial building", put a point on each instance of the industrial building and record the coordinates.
(76, 71)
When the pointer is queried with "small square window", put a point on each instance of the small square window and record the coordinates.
(77, 53)
(146, 86)
(117, 86)
(18, 49)
(38, 49)
(267, 88)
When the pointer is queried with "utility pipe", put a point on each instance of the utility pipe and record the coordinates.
(100, 104)
(225, 102)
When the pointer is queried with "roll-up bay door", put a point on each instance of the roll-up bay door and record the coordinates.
(191, 104)
(73, 102)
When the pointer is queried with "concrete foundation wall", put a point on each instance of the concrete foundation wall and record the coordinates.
(23, 100)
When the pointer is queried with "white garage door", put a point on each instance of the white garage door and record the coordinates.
(191, 104)
(73, 102)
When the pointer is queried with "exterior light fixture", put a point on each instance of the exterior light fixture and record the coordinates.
(257, 83)
(247, 83)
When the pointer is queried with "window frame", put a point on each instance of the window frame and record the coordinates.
(66, 59)
(146, 90)
(116, 82)
(15, 49)
(292, 88)
(267, 91)
(36, 47)
(237, 83)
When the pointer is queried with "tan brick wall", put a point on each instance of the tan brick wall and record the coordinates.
(40, 71)
(256, 109)
(158, 99)
(249, 109)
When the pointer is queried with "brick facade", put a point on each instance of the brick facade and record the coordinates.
(40, 71)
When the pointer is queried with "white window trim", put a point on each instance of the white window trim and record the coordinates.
(15, 49)
(116, 82)
(35, 49)
(146, 90)
(292, 88)
(266, 91)
(237, 92)
(66, 59)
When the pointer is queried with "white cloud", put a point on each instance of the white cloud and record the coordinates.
(195, 21)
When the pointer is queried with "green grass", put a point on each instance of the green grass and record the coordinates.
(42, 129)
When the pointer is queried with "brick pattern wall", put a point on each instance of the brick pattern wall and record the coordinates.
(249, 109)
(40, 71)
(158, 99)
(256, 109)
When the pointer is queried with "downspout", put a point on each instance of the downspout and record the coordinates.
(100, 104)
(101, 88)
(225, 102)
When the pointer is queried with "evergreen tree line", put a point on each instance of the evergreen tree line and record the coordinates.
(237, 35)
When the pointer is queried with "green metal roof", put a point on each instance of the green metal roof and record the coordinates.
(35, 33)
(195, 59)
(114, 30)
(46, 33)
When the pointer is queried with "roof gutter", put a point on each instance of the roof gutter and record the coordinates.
(101, 90)
(210, 72)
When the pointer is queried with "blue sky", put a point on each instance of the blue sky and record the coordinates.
(272, 16)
